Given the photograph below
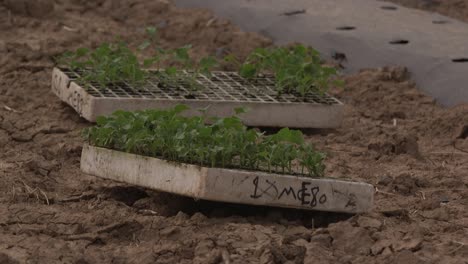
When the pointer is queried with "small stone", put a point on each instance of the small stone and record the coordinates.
(368, 222)
(267, 257)
(22, 136)
(43, 172)
(350, 239)
(296, 232)
(6, 259)
(407, 256)
(204, 247)
(181, 216)
(461, 132)
(412, 244)
(384, 180)
(198, 217)
(213, 257)
(34, 8)
(429, 204)
(387, 252)
(41, 8)
(3, 46)
(162, 24)
(81, 261)
(406, 144)
(324, 240)
(41, 166)
(168, 231)
(440, 214)
(220, 52)
(300, 242)
(144, 203)
(34, 45)
(380, 246)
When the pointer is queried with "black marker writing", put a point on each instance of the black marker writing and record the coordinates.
(257, 194)
(288, 192)
(255, 182)
(302, 193)
(307, 194)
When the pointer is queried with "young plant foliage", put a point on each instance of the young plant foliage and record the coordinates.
(109, 63)
(116, 63)
(296, 69)
(225, 143)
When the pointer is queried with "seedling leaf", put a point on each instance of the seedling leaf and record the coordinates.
(248, 70)
(144, 45)
(225, 143)
(180, 108)
(151, 31)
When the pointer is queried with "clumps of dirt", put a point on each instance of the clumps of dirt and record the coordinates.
(391, 84)
(407, 184)
(397, 74)
(351, 240)
(392, 136)
(396, 144)
(450, 123)
(462, 132)
(6, 259)
(33, 8)
(178, 27)
(285, 253)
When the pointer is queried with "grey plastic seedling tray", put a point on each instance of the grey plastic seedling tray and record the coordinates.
(228, 185)
(222, 93)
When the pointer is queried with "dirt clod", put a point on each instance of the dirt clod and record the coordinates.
(392, 135)
(368, 222)
(6, 259)
(34, 8)
(406, 256)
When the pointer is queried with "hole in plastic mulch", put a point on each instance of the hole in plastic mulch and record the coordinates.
(399, 42)
(389, 7)
(346, 28)
(460, 60)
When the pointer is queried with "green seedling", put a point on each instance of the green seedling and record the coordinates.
(204, 66)
(107, 64)
(225, 143)
(116, 63)
(152, 33)
(297, 69)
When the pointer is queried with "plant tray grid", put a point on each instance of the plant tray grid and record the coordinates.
(222, 86)
(222, 92)
(228, 185)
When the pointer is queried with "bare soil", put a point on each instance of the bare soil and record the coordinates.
(452, 8)
(393, 136)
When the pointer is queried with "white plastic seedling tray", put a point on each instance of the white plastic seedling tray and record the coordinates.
(222, 93)
(228, 185)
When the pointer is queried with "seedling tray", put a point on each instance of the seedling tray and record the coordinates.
(222, 93)
(228, 185)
